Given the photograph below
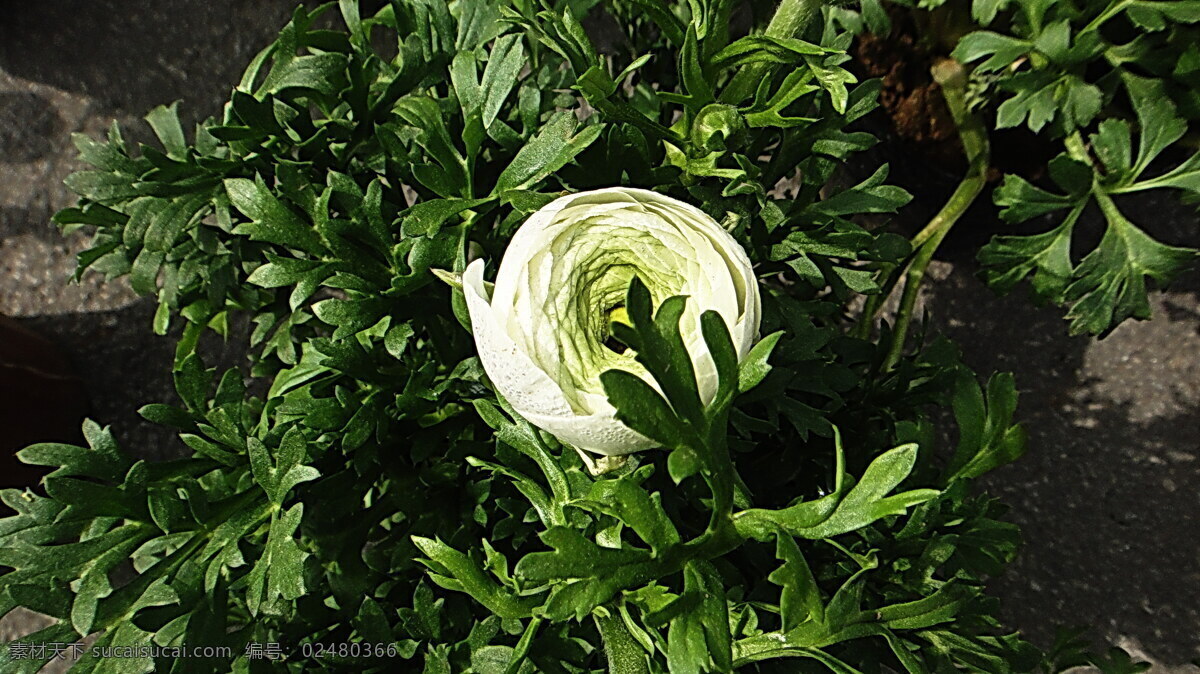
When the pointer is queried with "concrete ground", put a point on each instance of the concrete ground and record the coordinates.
(1108, 496)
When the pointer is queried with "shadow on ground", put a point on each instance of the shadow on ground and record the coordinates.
(132, 56)
(1107, 495)
(124, 366)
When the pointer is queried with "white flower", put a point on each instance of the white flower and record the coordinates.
(542, 334)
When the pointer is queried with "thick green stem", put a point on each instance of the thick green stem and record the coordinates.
(952, 78)
(625, 655)
(790, 20)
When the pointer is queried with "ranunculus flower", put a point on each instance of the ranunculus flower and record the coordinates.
(543, 335)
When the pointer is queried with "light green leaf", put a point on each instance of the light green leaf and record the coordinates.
(470, 578)
(755, 366)
(551, 149)
(505, 61)
(165, 122)
(1000, 50)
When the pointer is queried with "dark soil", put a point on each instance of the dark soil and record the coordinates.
(911, 99)
(916, 114)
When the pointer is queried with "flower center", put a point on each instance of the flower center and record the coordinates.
(617, 314)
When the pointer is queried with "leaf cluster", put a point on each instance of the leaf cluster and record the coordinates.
(1091, 78)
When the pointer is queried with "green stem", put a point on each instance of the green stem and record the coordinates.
(522, 649)
(891, 275)
(952, 78)
(1077, 148)
(791, 18)
(1111, 11)
(625, 655)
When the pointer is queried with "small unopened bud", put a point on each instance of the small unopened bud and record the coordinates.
(718, 126)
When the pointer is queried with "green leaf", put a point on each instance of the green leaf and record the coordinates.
(1080, 101)
(1070, 174)
(102, 186)
(636, 508)
(699, 639)
(491, 659)
(1113, 145)
(193, 382)
(524, 437)
(446, 563)
(769, 112)
(19, 657)
(1009, 259)
(270, 219)
(1035, 104)
(505, 61)
(1158, 124)
(397, 338)
(985, 11)
(427, 217)
(350, 316)
(641, 408)
(868, 196)
(721, 349)
(1110, 282)
(659, 347)
(754, 367)
(322, 73)
(696, 83)
(1153, 14)
(766, 49)
(867, 500)
(1000, 50)
(282, 271)
(673, 29)
(876, 18)
(833, 79)
(283, 559)
(800, 598)
(165, 122)
(1186, 176)
(278, 476)
(987, 436)
(102, 459)
(465, 80)
(940, 607)
(594, 573)
(836, 514)
(1020, 200)
(682, 463)
(551, 149)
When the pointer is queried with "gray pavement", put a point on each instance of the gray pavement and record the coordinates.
(1108, 496)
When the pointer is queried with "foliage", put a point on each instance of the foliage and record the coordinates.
(368, 487)
(1094, 77)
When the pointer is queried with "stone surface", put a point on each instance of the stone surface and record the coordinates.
(1108, 496)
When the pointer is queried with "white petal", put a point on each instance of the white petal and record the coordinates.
(514, 374)
(599, 433)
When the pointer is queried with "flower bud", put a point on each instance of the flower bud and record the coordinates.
(544, 332)
(718, 126)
